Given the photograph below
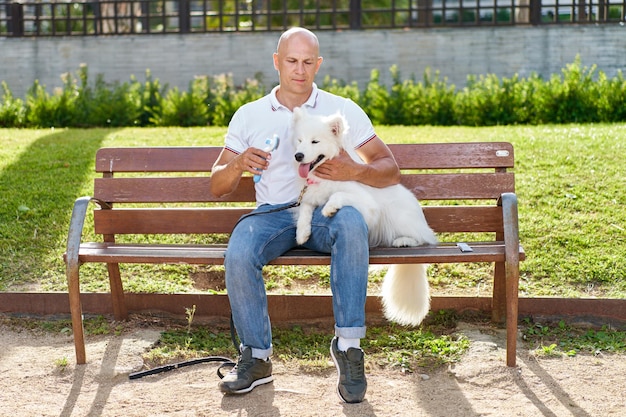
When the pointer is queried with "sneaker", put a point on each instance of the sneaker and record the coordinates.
(248, 373)
(351, 383)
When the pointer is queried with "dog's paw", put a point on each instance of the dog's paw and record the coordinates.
(404, 241)
(329, 210)
(302, 235)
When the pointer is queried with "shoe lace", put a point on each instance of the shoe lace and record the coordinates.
(355, 370)
(243, 365)
(234, 368)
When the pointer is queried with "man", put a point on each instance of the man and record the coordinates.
(270, 230)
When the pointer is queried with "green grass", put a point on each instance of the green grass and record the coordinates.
(558, 339)
(570, 181)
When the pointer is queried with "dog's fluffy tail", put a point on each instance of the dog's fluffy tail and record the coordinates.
(405, 294)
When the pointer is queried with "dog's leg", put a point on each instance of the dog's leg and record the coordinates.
(362, 202)
(303, 227)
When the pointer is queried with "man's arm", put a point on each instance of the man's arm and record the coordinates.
(379, 170)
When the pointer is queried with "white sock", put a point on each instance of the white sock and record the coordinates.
(344, 344)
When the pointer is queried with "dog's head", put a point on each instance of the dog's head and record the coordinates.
(317, 139)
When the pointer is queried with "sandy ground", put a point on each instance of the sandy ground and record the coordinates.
(33, 384)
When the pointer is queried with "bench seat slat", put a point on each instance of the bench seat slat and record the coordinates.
(452, 219)
(214, 254)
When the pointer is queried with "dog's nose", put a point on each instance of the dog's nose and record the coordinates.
(299, 156)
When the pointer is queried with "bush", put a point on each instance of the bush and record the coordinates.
(577, 95)
(12, 110)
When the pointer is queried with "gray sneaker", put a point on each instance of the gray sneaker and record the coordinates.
(351, 383)
(247, 374)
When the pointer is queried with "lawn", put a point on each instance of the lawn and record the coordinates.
(570, 185)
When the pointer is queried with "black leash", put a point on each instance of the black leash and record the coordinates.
(226, 362)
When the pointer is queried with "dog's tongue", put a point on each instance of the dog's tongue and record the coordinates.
(303, 170)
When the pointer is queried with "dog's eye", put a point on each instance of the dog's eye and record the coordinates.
(315, 141)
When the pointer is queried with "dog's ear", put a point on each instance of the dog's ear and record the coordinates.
(337, 125)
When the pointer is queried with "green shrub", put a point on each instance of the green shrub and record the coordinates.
(50, 110)
(186, 108)
(577, 95)
(375, 99)
(340, 88)
(225, 98)
(12, 110)
(149, 97)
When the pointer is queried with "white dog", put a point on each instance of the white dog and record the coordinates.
(393, 215)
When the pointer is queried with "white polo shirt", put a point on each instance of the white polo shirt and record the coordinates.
(256, 121)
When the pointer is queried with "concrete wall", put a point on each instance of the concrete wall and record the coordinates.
(349, 56)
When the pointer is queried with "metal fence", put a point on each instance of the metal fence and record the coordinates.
(104, 17)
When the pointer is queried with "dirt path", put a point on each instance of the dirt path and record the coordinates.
(33, 384)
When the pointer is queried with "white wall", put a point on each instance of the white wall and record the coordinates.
(349, 56)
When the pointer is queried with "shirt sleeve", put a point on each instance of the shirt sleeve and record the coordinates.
(236, 137)
(360, 129)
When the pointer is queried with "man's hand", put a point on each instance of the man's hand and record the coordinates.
(254, 160)
(229, 167)
(340, 168)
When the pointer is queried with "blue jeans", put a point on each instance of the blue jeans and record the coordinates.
(259, 238)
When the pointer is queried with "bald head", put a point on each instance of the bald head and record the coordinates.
(300, 34)
(297, 60)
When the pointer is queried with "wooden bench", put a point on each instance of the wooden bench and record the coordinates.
(151, 191)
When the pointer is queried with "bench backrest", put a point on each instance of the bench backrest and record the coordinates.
(172, 184)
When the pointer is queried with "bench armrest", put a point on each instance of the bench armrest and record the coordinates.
(75, 233)
(508, 201)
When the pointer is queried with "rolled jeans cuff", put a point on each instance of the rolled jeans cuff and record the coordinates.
(350, 332)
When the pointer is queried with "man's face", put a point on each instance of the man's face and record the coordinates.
(297, 61)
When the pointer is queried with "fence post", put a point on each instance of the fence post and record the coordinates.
(535, 12)
(184, 16)
(15, 25)
(355, 14)
(424, 12)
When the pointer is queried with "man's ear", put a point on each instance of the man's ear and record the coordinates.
(275, 59)
(319, 63)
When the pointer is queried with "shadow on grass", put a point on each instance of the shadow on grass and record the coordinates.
(37, 193)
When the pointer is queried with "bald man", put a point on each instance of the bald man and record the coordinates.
(270, 230)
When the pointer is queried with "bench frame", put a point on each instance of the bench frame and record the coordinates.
(441, 172)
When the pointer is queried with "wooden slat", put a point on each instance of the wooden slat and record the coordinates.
(461, 186)
(409, 156)
(214, 254)
(454, 155)
(196, 189)
(167, 190)
(157, 159)
(168, 221)
(464, 219)
(451, 219)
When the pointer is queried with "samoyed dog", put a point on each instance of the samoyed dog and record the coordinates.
(393, 215)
